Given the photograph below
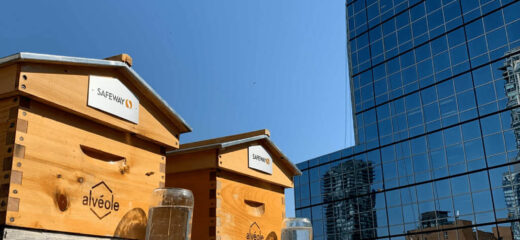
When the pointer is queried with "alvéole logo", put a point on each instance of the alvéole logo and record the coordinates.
(112, 96)
(100, 200)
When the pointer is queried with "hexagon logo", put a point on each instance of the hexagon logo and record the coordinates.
(100, 200)
(254, 232)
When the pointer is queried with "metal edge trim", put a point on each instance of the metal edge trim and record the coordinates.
(237, 142)
(26, 56)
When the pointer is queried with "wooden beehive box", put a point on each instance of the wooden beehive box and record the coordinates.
(238, 184)
(84, 144)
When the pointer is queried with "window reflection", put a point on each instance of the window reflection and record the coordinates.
(352, 214)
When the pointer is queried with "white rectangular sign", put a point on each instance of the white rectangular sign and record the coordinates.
(259, 159)
(110, 95)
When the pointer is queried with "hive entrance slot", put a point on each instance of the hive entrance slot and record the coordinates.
(100, 155)
(255, 208)
(103, 156)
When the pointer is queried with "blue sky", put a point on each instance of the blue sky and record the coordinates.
(226, 66)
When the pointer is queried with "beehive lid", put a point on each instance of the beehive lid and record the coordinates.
(121, 66)
(237, 153)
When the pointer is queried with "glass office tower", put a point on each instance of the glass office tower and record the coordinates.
(436, 97)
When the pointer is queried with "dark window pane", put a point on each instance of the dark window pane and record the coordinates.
(475, 29)
(468, 5)
(404, 35)
(395, 215)
(477, 46)
(455, 154)
(420, 163)
(511, 12)
(466, 100)
(413, 101)
(493, 20)
(373, 11)
(442, 188)
(424, 192)
(448, 106)
(397, 106)
(376, 48)
(456, 37)
(470, 130)
(428, 95)
(422, 52)
(417, 12)
(390, 41)
(388, 26)
(445, 89)
(482, 75)
(459, 54)
(432, 5)
(474, 149)
(463, 204)
(497, 38)
(451, 11)
(435, 140)
(452, 136)
(388, 153)
(494, 144)
(482, 201)
(479, 181)
(490, 124)
(418, 145)
(419, 27)
(425, 68)
(512, 31)
(435, 19)
(402, 19)
(379, 71)
(409, 75)
(485, 94)
(441, 61)
(439, 45)
(459, 185)
(463, 82)
(431, 112)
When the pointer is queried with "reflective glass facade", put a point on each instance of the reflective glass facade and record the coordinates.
(436, 97)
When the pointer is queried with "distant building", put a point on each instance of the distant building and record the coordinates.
(511, 180)
(435, 93)
(342, 183)
(458, 230)
(512, 198)
(434, 218)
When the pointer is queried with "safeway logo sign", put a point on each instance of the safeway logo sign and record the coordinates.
(260, 159)
(128, 103)
(110, 95)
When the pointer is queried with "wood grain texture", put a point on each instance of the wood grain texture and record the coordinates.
(58, 174)
(8, 76)
(227, 138)
(240, 202)
(8, 113)
(26, 234)
(191, 161)
(236, 159)
(201, 183)
(123, 57)
(67, 88)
